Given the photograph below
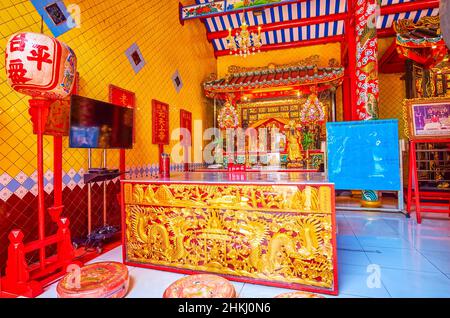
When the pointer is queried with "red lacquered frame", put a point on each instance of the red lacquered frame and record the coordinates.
(114, 98)
(334, 291)
(158, 140)
(22, 279)
(414, 197)
(186, 123)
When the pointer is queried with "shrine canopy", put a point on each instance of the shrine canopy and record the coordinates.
(276, 80)
(421, 42)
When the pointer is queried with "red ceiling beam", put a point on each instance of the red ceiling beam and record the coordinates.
(409, 6)
(289, 45)
(404, 7)
(248, 9)
(385, 10)
(283, 25)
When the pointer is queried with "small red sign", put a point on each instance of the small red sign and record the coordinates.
(160, 123)
(186, 123)
(122, 97)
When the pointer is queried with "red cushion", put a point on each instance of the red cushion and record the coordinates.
(299, 294)
(98, 280)
(201, 286)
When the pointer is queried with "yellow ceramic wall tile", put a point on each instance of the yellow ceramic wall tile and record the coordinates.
(29, 170)
(4, 162)
(13, 170)
(392, 90)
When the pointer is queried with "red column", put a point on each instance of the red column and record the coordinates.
(367, 92)
(38, 110)
(349, 87)
(56, 210)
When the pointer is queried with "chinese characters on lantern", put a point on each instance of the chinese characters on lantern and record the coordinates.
(40, 54)
(17, 72)
(40, 66)
(17, 43)
(160, 117)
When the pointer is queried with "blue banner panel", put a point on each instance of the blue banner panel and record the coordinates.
(364, 155)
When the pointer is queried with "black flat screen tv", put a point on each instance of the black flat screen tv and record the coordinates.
(97, 124)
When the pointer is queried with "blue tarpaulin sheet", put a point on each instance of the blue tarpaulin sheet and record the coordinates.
(364, 155)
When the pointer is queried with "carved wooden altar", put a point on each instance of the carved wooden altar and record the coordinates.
(268, 229)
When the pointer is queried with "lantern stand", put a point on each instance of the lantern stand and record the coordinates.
(24, 279)
(28, 280)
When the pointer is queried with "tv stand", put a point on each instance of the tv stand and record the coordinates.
(101, 174)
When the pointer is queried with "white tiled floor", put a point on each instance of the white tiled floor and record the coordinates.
(414, 260)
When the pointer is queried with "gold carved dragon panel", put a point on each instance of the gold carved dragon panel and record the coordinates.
(281, 234)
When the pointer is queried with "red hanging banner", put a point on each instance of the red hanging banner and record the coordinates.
(186, 123)
(122, 97)
(160, 123)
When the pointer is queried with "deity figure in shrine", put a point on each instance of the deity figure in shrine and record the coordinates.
(294, 143)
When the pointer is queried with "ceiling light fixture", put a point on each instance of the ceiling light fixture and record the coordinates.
(244, 43)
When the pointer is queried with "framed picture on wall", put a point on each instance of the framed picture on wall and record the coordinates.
(428, 117)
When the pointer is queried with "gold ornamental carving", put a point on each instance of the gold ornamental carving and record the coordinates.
(312, 61)
(282, 198)
(267, 233)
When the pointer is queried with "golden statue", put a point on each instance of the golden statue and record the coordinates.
(294, 143)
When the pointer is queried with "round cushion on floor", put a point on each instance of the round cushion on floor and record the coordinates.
(98, 280)
(299, 294)
(201, 286)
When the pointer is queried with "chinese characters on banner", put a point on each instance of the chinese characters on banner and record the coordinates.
(122, 97)
(40, 66)
(186, 141)
(160, 123)
(186, 123)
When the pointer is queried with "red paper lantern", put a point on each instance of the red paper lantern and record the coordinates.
(40, 66)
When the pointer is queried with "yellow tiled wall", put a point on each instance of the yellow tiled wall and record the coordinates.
(108, 29)
(392, 90)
